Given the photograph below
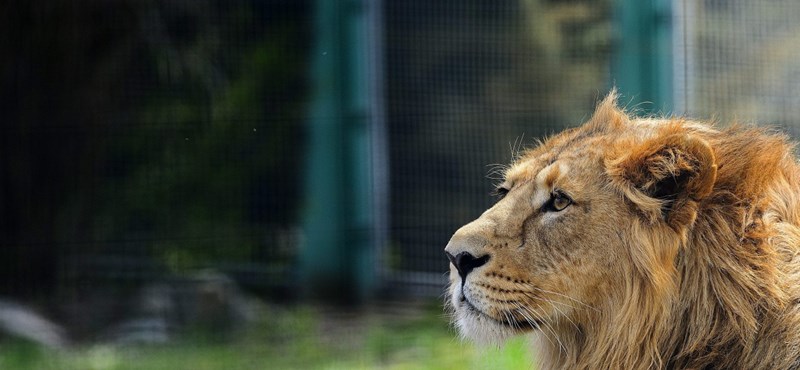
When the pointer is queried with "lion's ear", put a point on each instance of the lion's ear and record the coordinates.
(665, 176)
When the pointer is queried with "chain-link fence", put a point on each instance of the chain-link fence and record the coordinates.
(468, 84)
(145, 141)
(738, 61)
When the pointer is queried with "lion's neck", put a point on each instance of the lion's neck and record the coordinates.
(626, 337)
(729, 306)
(731, 296)
(723, 311)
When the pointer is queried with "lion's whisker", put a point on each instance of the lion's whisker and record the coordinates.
(538, 297)
(549, 327)
(565, 296)
(562, 313)
(531, 321)
(542, 322)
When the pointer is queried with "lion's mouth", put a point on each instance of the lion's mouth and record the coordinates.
(508, 322)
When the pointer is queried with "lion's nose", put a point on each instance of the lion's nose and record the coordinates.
(465, 262)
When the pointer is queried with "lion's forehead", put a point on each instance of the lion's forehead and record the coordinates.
(548, 167)
(581, 147)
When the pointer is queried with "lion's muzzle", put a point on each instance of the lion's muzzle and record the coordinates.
(466, 262)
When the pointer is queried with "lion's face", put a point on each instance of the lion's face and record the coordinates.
(579, 216)
(543, 253)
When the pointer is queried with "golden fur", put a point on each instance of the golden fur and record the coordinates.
(679, 249)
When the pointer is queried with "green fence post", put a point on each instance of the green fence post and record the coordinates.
(336, 253)
(642, 65)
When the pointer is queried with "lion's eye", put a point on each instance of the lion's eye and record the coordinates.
(559, 201)
(500, 192)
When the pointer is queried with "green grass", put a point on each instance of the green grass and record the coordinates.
(296, 339)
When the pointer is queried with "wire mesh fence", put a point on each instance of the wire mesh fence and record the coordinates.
(146, 141)
(468, 84)
(739, 61)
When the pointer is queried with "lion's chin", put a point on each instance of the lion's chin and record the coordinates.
(479, 328)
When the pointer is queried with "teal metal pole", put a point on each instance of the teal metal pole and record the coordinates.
(336, 253)
(642, 64)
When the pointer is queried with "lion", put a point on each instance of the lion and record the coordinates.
(639, 243)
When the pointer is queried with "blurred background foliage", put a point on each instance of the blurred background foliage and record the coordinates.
(158, 132)
(146, 136)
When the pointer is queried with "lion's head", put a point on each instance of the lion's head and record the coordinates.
(586, 246)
